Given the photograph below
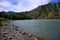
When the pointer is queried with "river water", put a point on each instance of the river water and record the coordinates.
(45, 27)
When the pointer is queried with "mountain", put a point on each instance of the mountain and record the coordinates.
(51, 10)
(11, 12)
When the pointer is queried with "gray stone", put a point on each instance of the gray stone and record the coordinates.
(29, 35)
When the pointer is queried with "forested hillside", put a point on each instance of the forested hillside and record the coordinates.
(49, 11)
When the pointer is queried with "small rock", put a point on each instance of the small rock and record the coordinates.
(4, 36)
(13, 35)
(36, 38)
(5, 32)
(5, 39)
(20, 31)
(5, 24)
(10, 38)
(29, 35)
(42, 39)
(23, 33)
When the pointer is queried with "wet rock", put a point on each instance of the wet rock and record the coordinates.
(20, 31)
(5, 39)
(10, 38)
(29, 35)
(5, 32)
(36, 38)
(13, 35)
(4, 36)
(23, 33)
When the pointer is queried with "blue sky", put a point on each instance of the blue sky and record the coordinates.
(22, 5)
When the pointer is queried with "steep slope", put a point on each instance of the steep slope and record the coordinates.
(44, 11)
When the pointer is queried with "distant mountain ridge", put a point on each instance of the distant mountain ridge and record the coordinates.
(49, 11)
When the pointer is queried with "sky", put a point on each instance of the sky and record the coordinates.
(22, 5)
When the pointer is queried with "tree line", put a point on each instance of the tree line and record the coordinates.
(13, 16)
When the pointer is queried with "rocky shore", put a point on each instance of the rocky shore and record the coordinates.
(10, 32)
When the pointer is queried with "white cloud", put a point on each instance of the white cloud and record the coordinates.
(22, 5)
(5, 3)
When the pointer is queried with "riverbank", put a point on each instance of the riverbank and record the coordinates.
(11, 32)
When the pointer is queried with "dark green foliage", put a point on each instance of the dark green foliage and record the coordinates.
(3, 15)
(16, 16)
(0, 23)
